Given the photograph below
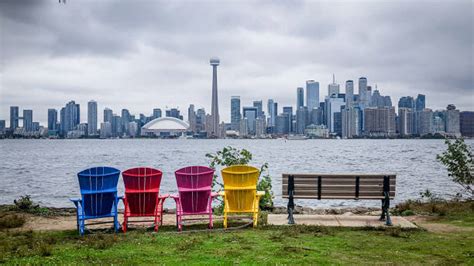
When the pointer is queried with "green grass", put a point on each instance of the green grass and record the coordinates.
(265, 245)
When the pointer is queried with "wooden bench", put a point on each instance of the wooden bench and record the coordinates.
(339, 186)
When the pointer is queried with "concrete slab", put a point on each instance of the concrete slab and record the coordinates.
(338, 220)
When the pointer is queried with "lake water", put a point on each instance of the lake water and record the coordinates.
(46, 169)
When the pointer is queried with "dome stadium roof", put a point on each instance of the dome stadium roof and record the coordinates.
(166, 124)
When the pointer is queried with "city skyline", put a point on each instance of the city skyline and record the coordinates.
(144, 62)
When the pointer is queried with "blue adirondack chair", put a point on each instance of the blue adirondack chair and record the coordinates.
(99, 197)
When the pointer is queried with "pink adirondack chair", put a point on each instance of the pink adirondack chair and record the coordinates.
(195, 193)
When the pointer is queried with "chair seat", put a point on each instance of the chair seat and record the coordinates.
(195, 189)
(240, 188)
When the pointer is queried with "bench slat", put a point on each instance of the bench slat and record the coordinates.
(339, 197)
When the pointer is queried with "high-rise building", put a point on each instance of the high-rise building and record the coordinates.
(379, 122)
(235, 115)
(312, 94)
(406, 102)
(126, 118)
(92, 118)
(405, 121)
(117, 126)
(378, 100)
(349, 93)
(250, 113)
(201, 120)
(2, 126)
(108, 115)
(260, 127)
(299, 97)
(52, 121)
(28, 120)
(301, 119)
(351, 120)
(363, 95)
(105, 130)
(259, 106)
(174, 112)
(333, 105)
(452, 121)
(243, 127)
(215, 103)
(467, 124)
(420, 102)
(132, 129)
(156, 113)
(70, 117)
(288, 111)
(439, 124)
(14, 116)
(425, 122)
(192, 118)
(272, 109)
(333, 88)
(282, 124)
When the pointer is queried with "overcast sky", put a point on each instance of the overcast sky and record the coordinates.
(141, 55)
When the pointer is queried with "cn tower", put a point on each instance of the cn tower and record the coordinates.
(215, 103)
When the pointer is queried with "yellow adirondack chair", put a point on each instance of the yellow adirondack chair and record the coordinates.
(240, 191)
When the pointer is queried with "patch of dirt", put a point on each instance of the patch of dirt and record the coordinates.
(429, 223)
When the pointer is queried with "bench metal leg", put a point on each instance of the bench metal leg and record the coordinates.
(291, 220)
(385, 210)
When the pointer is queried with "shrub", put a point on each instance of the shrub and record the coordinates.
(11, 220)
(229, 156)
(458, 160)
(408, 213)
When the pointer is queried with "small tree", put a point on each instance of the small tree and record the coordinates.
(231, 156)
(459, 163)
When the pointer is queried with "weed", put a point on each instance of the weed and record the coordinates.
(100, 241)
(11, 220)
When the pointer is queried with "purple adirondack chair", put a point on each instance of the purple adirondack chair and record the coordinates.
(195, 193)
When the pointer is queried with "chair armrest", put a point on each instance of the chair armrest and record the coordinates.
(215, 195)
(221, 193)
(121, 197)
(260, 193)
(164, 196)
(76, 201)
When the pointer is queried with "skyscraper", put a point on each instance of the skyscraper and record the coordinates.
(215, 103)
(467, 124)
(70, 117)
(363, 91)
(14, 116)
(108, 115)
(259, 106)
(2, 126)
(28, 120)
(420, 102)
(272, 112)
(379, 122)
(235, 115)
(301, 119)
(288, 111)
(406, 102)
(312, 94)
(333, 88)
(452, 121)
(156, 113)
(299, 97)
(250, 114)
(349, 93)
(92, 118)
(52, 120)
(333, 106)
(192, 118)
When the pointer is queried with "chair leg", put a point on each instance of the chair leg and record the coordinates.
(82, 227)
(211, 225)
(255, 219)
(125, 224)
(225, 219)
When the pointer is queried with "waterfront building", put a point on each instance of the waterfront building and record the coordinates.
(28, 120)
(201, 120)
(156, 113)
(126, 118)
(105, 130)
(363, 95)
(467, 124)
(52, 122)
(165, 127)
(333, 105)
(439, 124)
(452, 120)
(214, 119)
(333, 88)
(420, 103)
(379, 121)
(301, 119)
(351, 120)
(312, 94)
(259, 127)
(250, 113)
(425, 121)
(405, 121)
(349, 93)
(243, 127)
(108, 115)
(70, 117)
(317, 131)
(378, 100)
(235, 115)
(2, 126)
(92, 118)
(117, 126)
(315, 116)
(299, 97)
(132, 129)
(14, 117)
(174, 112)
(288, 110)
(282, 125)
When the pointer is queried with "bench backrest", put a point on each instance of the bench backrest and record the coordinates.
(338, 186)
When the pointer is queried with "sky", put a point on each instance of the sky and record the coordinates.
(142, 55)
